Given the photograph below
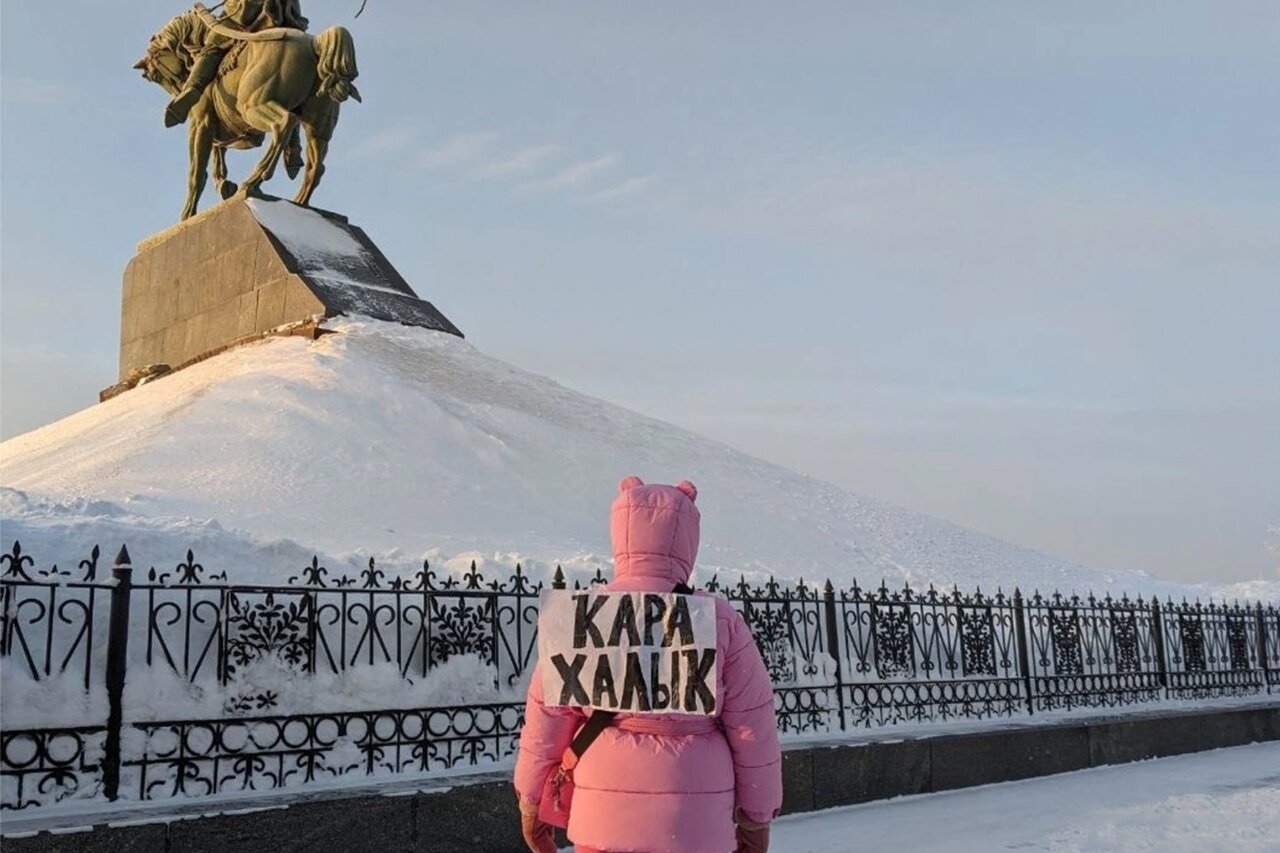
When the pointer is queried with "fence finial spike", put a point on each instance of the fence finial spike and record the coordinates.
(122, 559)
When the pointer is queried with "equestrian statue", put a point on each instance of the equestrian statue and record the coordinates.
(252, 71)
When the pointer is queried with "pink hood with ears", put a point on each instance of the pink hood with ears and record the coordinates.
(655, 531)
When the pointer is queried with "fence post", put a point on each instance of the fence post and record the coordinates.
(117, 657)
(1024, 657)
(833, 645)
(1262, 646)
(1157, 625)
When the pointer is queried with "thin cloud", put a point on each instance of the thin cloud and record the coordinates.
(461, 150)
(575, 176)
(521, 162)
(387, 141)
(626, 189)
(995, 234)
(25, 90)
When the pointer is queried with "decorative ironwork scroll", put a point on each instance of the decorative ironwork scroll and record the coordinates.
(261, 753)
(42, 766)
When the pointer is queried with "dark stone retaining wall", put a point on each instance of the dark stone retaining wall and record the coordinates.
(479, 812)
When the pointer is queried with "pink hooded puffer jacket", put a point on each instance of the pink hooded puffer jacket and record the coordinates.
(664, 783)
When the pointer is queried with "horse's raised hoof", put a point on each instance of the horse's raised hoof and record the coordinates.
(227, 189)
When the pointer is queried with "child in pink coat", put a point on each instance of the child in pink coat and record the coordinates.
(669, 783)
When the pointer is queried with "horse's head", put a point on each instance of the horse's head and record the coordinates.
(164, 67)
(169, 53)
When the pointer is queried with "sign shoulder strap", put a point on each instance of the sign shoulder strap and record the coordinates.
(596, 723)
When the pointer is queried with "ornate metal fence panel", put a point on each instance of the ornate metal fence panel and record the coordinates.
(788, 623)
(908, 657)
(1091, 652)
(1212, 650)
(840, 660)
(50, 624)
(423, 621)
(207, 630)
(325, 624)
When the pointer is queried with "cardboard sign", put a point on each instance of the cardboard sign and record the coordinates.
(638, 652)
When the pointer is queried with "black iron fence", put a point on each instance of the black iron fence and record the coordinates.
(840, 659)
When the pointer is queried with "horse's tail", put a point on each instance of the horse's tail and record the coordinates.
(336, 64)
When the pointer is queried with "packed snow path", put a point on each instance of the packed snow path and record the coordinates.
(1225, 800)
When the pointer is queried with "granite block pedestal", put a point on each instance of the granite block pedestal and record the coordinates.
(249, 268)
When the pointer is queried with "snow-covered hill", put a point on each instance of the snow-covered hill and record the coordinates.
(402, 443)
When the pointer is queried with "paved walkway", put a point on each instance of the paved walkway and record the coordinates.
(1225, 800)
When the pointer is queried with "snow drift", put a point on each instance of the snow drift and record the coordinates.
(405, 443)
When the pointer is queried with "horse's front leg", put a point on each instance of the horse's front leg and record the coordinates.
(200, 146)
(225, 188)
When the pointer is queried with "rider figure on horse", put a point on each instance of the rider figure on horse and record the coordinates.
(247, 15)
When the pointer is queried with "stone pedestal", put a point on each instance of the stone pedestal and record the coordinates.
(248, 268)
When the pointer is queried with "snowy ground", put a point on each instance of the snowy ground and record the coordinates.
(1225, 800)
(403, 443)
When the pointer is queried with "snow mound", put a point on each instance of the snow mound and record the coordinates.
(403, 443)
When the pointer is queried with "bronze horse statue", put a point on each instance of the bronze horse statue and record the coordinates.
(271, 82)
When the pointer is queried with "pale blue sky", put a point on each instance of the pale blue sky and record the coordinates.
(1014, 264)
